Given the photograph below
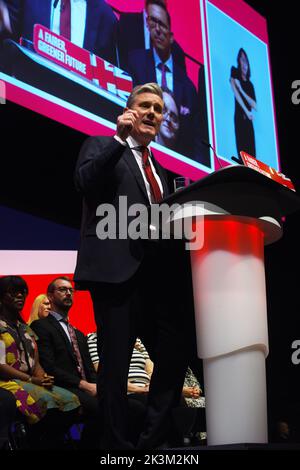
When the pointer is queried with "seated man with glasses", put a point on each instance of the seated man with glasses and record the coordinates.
(64, 353)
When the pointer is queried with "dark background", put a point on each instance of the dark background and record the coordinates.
(52, 150)
(282, 258)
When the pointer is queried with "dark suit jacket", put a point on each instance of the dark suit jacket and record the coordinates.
(100, 29)
(131, 37)
(106, 170)
(142, 69)
(56, 353)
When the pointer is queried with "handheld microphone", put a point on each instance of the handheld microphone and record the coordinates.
(55, 3)
(215, 154)
(237, 160)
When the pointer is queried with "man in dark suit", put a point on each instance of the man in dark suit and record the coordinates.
(95, 22)
(133, 33)
(128, 277)
(158, 65)
(68, 359)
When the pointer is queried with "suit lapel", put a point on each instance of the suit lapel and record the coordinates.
(62, 332)
(37, 12)
(150, 66)
(161, 173)
(134, 168)
(91, 25)
(178, 89)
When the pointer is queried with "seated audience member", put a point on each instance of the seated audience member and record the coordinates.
(169, 129)
(41, 402)
(90, 24)
(139, 375)
(133, 33)
(140, 370)
(8, 409)
(192, 394)
(40, 308)
(286, 424)
(192, 391)
(64, 353)
(92, 345)
(188, 422)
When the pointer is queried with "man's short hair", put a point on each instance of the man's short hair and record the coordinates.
(51, 286)
(161, 5)
(146, 88)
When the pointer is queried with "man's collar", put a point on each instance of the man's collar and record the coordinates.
(133, 144)
(58, 316)
(157, 60)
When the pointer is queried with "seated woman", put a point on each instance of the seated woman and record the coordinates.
(93, 350)
(188, 417)
(140, 370)
(194, 399)
(37, 398)
(40, 308)
(139, 375)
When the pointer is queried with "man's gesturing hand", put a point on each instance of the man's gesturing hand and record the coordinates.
(125, 123)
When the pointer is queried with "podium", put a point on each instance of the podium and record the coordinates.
(235, 211)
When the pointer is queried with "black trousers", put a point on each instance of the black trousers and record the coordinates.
(90, 417)
(151, 305)
(8, 410)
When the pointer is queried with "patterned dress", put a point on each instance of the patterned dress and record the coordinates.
(17, 349)
(191, 381)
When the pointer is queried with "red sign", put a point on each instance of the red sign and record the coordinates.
(82, 62)
(266, 170)
(61, 51)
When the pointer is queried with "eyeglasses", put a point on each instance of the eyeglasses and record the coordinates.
(15, 293)
(154, 22)
(64, 290)
(171, 115)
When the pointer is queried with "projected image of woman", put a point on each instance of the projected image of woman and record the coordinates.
(245, 104)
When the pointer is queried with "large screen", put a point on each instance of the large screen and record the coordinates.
(210, 57)
(218, 86)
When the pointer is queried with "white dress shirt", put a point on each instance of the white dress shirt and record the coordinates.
(138, 156)
(78, 20)
(169, 73)
(62, 321)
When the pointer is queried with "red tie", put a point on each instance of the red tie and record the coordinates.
(65, 19)
(164, 69)
(156, 195)
(76, 350)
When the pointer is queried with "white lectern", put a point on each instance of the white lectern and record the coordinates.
(240, 211)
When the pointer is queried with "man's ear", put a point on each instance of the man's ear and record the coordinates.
(171, 37)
